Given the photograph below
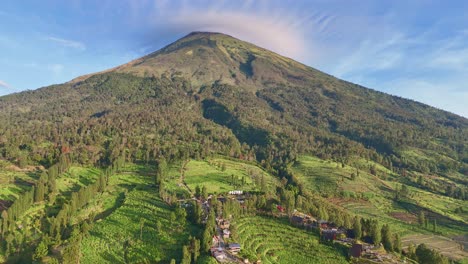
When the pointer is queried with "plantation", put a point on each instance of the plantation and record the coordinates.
(218, 175)
(444, 245)
(373, 196)
(276, 241)
(14, 181)
(139, 230)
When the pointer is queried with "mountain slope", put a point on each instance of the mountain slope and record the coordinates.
(209, 92)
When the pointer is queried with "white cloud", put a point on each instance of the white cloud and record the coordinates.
(3, 84)
(266, 32)
(68, 43)
(259, 22)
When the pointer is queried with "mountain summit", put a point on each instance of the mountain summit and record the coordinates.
(204, 57)
(212, 93)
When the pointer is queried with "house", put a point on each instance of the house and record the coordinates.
(234, 248)
(236, 192)
(331, 234)
(215, 240)
(226, 233)
(297, 220)
(224, 224)
(322, 224)
(280, 208)
(356, 250)
(220, 256)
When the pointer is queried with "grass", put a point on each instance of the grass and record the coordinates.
(444, 245)
(276, 241)
(216, 175)
(14, 182)
(373, 196)
(106, 240)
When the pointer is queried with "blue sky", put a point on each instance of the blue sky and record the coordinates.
(414, 49)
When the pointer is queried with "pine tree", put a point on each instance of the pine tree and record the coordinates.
(357, 228)
(206, 240)
(397, 244)
(195, 249)
(387, 238)
(421, 218)
(375, 232)
(41, 251)
(186, 257)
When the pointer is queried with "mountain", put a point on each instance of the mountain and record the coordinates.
(209, 92)
(226, 113)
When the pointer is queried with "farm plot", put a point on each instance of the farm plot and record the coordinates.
(330, 178)
(138, 231)
(442, 244)
(223, 175)
(13, 183)
(275, 241)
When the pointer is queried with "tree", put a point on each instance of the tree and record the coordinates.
(357, 228)
(421, 218)
(204, 193)
(397, 244)
(206, 240)
(434, 225)
(41, 251)
(39, 192)
(186, 257)
(72, 252)
(375, 232)
(387, 238)
(195, 249)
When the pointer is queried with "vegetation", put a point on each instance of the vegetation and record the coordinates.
(105, 168)
(275, 241)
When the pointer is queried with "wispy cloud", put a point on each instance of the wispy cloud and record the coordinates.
(3, 84)
(68, 43)
(268, 26)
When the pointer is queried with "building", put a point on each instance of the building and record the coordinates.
(234, 248)
(356, 250)
(226, 233)
(220, 256)
(280, 208)
(224, 224)
(297, 220)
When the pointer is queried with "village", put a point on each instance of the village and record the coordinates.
(225, 250)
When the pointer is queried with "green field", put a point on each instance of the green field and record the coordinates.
(217, 175)
(373, 196)
(276, 241)
(14, 181)
(116, 237)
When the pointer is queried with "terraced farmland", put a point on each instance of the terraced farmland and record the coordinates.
(442, 244)
(120, 238)
(275, 241)
(219, 175)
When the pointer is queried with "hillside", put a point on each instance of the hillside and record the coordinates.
(218, 111)
(212, 82)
